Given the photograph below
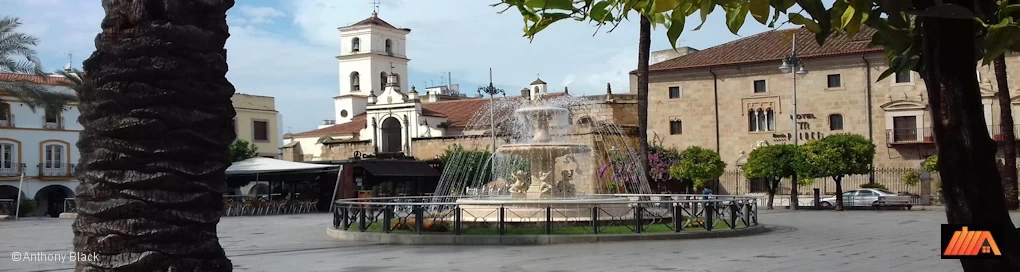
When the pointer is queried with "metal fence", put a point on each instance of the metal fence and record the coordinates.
(70, 206)
(7, 206)
(614, 214)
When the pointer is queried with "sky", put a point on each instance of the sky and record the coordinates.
(287, 48)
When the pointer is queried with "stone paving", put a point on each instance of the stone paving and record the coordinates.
(801, 241)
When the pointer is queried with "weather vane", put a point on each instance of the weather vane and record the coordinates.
(375, 6)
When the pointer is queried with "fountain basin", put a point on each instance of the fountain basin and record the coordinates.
(546, 150)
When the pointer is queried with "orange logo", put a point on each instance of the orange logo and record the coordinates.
(971, 243)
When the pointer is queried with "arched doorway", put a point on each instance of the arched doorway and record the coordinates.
(391, 135)
(50, 200)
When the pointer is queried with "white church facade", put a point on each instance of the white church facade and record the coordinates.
(376, 106)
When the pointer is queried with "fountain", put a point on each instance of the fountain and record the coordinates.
(541, 145)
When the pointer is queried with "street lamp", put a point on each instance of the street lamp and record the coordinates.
(491, 91)
(793, 63)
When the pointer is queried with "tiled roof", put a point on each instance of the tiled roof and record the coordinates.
(356, 124)
(538, 81)
(58, 83)
(771, 46)
(375, 20)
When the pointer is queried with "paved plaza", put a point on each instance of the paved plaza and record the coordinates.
(801, 241)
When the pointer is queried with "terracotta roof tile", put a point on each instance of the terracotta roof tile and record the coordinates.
(771, 46)
(353, 127)
(49, 80)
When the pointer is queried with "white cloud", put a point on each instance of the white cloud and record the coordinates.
(260, 15)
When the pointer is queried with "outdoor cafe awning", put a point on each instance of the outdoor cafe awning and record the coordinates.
(266, 169)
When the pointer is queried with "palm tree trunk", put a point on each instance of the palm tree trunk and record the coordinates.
(1009, 139)
(644, 50)
(971, 185)
(839, 193)
(157, 123)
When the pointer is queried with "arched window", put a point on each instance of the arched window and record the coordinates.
(355, 82)
(752, 120)
(355, 44)
(382, 81)
(391, 141)
(389, 46)
(762, 124)
(535, 93)
(836, 122)
(54, 161)
(771, 116)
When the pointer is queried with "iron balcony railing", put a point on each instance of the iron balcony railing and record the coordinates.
(55, 169)
(11, 169)
(53, 124)
(925, 135)
(7, 123)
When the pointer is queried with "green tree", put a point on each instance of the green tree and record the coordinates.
(974, 192)
(931, 163)
(698, 165)
(17, 58)
(773, 163)
(837, 156)
(157, 126)
(242, 150)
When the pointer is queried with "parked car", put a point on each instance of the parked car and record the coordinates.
(869, 197)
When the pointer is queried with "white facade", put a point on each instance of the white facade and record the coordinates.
(371, 51)
(41, 147)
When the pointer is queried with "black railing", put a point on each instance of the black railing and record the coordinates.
(55, 169)
(11, 169)
(70, 206)
(596, 214)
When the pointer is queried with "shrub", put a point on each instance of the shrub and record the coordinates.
(28, 207)
(431, 225)
(911, 178)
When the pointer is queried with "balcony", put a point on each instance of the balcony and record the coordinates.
(7, 123)
(924, 135)
(53, 124)
(11, 169)
(55, 169)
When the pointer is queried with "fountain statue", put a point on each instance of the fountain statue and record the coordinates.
(542, 152)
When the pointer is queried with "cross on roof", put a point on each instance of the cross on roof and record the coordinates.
(375, 6)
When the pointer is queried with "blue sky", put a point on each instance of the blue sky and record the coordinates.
(286, 48)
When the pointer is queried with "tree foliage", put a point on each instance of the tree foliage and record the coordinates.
(773, 162)
(660, 159)
(931, 163)
(698, 164)
(837, 156)
(242, 150)
(18, 56)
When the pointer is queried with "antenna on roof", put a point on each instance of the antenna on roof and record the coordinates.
(375, 8)
(70, 58)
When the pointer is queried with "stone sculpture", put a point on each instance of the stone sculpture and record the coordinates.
(520, 185)
(565, 188)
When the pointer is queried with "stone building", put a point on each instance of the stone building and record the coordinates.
(732, 98)
(258, 122)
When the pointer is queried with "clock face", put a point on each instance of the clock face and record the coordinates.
(343, 113)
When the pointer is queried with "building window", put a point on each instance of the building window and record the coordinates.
(835, 81)
(53, 156)
(389, 46)
(355, 82)
(761, 120)
(8, 164)
(674, 92)
(903, 77)
(5, 115)
(836, 122)
(260, 130)
(396, 78)
(52, 119)
(676, 127)
(759, 86)
(905, 128)
(382, 81)
(355, 44)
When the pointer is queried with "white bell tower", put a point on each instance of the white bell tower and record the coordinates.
(371, 51)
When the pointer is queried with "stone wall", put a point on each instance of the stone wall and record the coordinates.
(342, 150)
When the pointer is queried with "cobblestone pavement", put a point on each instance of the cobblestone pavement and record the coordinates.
(801, 241)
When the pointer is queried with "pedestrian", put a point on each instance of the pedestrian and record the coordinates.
(706, 192)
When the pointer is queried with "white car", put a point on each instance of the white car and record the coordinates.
(869, 197)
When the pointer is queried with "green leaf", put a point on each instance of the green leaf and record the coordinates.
(550, 4)
(1000, 37)
(1008, 10)
(598, 12)
(735, 17)
(676, 26)
(760, 10)
(706, 8)
(798, 19)
(660, 6)
(849, 12)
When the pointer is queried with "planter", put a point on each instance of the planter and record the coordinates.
(929, 139)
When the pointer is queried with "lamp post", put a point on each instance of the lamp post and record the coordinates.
(793, 65)
(491, 91)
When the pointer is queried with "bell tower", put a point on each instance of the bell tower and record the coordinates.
(371, 51)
